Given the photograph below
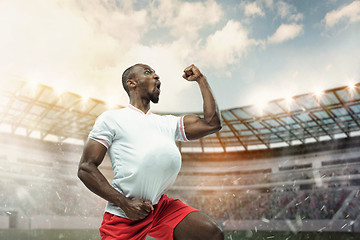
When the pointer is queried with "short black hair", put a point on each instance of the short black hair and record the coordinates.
(128, 74)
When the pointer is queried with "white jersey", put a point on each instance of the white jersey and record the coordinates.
(143, 152)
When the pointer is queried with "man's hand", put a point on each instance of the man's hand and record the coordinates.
(137, 209)
(192, 73)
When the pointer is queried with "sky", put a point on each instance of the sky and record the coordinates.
(250, 51)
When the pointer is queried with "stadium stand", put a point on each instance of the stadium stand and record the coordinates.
(295, 166)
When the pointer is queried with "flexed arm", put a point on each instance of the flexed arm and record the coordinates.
(195, 126)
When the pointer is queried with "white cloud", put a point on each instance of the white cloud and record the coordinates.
(76, 44)
(252, 9)
(268, 3)
(288, 11)
(349, 13)
(84, 46)
(226, 46)
(286, 32)
(185, 19)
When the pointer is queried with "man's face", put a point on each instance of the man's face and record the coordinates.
(148, 82)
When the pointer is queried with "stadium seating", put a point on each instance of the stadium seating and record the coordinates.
(44, 182)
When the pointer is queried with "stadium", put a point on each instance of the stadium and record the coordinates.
(287, 170)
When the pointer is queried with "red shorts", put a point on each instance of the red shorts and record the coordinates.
(159, 224)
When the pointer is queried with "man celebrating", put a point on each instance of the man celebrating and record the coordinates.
(145, 161)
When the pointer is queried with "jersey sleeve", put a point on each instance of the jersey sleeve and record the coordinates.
(176, 125)
(102, 131)
(180, 130)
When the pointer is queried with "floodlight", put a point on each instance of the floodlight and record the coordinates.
(32, 84)
(318, 93)
(85, 99)
(351, 85)
(31, 87)
(59, 90)
(260, 106)
(289, 99)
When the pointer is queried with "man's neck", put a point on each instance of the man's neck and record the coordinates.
(143, 105)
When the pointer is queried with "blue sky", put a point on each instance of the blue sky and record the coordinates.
(250, 51)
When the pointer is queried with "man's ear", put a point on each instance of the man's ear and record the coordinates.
(131, 83)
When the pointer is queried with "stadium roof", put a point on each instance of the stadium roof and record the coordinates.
(39, 111)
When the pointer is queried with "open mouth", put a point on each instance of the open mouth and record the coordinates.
(158, 86)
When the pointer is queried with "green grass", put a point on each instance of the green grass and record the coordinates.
(49, 234)
(13, 234)
(251, 235)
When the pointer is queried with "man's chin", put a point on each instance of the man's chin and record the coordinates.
(154, 100)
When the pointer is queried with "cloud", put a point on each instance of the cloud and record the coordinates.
(226, 46)
(349, 13)
(252, 9)
(288, 11)
(286, 32)
(76, 44)
(268, 3)
(185, 19)
(84, 46)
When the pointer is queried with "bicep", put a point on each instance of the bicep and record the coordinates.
(93, 153)
(196, 127)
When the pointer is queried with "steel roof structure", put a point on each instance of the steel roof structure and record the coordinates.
(302, 119)
(39, 111)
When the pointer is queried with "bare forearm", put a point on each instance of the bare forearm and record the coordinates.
(211, 110)
(94, 180)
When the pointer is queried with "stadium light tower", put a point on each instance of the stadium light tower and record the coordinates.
(260, 106)
(59, 90)
(32, 85)
(289, 99)
(351, 85)
(85, 98)
(318, 93)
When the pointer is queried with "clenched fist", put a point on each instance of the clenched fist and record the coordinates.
(192, 73)
(137, 209)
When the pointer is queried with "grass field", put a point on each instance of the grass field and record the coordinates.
(12, 234)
